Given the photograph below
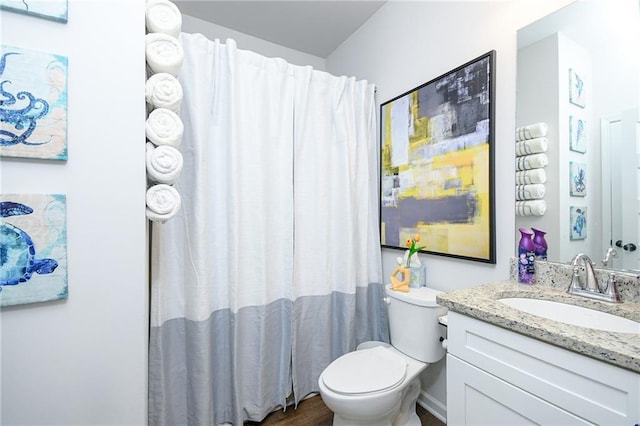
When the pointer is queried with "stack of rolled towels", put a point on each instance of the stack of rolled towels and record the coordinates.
(163, 93)
(531, 160)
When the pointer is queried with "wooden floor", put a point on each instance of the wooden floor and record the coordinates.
(313, 412)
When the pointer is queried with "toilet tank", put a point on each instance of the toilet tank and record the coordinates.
(413, 323)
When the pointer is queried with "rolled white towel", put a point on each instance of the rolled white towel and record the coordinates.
(525, 177)
(164, 164)
(528, 162)
(532, 131)
(531, 146)
(531, 208)
(164, 91)
(164, 53)
(530, 192)
(164, 127)
(163, 202)
(163, 16)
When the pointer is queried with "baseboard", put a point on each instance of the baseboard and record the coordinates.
(432, 405)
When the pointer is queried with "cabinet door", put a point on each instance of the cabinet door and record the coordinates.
(602, 393)
(475, 397)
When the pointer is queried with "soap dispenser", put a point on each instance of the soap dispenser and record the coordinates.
(526, 257)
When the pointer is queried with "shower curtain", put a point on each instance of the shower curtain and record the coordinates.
(272, 268)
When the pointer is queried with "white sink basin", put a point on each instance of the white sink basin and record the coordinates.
(574, 315)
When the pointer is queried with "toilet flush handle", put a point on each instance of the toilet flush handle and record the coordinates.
(444, 342)
(386, 300)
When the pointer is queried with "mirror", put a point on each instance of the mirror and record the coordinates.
(578, 72)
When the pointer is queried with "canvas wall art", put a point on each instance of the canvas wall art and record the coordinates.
(577, 179)
(437, 164)
(56, 10)
(33, 104)
(33, 248)
(577, 134)
(578, 222)
(576, 88)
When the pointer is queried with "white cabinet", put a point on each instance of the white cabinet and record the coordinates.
(499, 377)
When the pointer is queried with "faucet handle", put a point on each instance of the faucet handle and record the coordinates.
(576, 281)
(611, 290)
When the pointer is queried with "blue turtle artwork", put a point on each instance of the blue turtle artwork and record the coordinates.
(578, 223)
(33, 104)
(18, 260)
(22, 267)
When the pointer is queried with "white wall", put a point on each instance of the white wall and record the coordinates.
(538, 101)
(543, 87)
(244, 41)
(573, 55)
(83, 360)
(407, 43)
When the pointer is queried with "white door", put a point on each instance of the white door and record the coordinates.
(621, 200)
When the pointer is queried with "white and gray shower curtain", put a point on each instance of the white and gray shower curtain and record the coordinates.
(272, 268)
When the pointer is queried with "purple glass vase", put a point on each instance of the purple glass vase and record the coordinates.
(526, 257)
(540, 244)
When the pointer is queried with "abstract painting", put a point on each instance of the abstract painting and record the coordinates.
(576, 89)
(33, 248)
(577, 179)
(437, 164)
(578, 222)
(56, 10)
(577, 134)
(33, 104)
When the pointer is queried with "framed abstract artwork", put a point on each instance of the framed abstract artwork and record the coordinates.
(33, 111)
(56, 10)
(437, 164)
(33, 244)
(577, 179)
(578, 222)
(577, 134)
(576, 88)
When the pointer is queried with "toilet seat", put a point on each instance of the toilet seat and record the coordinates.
(365, 371)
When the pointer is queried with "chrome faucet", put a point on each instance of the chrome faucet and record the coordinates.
(611, 252)
(584, 281)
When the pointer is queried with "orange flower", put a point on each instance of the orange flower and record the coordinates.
(412, 248)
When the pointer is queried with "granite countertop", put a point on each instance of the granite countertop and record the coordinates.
(481, 302)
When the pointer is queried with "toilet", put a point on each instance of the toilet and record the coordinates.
(378, 384)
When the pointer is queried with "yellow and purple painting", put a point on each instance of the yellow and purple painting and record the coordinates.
(33, 104)
(437, 164)
(56, 10)
(33, 248)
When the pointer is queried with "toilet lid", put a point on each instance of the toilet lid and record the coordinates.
(365, 371)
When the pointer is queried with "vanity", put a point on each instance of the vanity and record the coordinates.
(535, 354)
(506, 366)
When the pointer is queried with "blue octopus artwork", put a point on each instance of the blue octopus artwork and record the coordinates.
(21, 262)
(33, 104)
(577, 172)
(56, 10)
